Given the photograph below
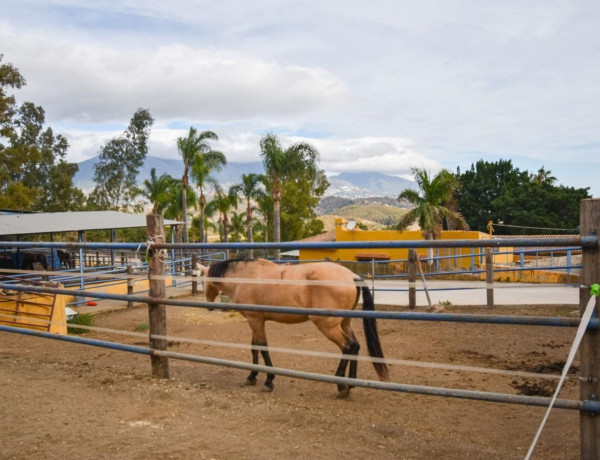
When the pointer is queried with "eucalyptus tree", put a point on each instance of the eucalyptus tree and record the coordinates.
(34, 173)
(118, 165)
(250, 189)
(196, 152)
(429, 203)
(279, 164)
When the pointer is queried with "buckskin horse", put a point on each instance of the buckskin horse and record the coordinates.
(302, 286)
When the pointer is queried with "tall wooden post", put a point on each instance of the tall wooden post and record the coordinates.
(194, 274)
(130, 284)
(489, 277)
(156, 311)
(412, 278)
(589, 351)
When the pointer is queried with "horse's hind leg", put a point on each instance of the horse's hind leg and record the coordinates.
(354, 347)
(341, 334)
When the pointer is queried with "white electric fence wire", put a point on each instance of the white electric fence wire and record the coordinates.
(585, 319)
(274, 281)
(391, 361)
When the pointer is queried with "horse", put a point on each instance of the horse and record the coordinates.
(34, 261)
(298, 291)
(66, 259)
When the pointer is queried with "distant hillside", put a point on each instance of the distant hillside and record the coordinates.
(375, 212)
(329, 222)
(345, 185)
(230, 175)
(366, 184)
(331, 204)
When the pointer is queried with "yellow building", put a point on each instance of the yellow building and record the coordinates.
(448, 258)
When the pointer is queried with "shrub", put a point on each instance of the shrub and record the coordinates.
(81, 319)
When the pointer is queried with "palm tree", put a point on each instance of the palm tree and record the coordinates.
(430, 205)
(205, 164)
(250, 189)
(279, 163)
(237, 225)
(543, 177)
(173, 208)
(192, 148)
(157, 191)
(223, 203)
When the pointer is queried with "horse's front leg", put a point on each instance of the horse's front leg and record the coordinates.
(251, 380)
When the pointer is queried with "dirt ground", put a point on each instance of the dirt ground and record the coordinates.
(62, 400)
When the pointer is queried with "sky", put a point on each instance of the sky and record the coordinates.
(381, 86)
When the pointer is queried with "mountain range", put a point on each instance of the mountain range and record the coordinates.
(345, 185)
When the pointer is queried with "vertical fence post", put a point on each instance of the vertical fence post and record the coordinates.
(194, 274)
(156, 311)
(589, 368)
(129, 285)
(489, 277)
(373, 279)
(412, 277)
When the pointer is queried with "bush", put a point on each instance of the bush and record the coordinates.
(82, 319)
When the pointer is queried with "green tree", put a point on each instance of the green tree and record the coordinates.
(203, 161)
(281, 165)
(250, 189)
(222, 204)
(481, 187)
(193, 149)
(34, 174)
(158, 190)
(118, 166)
(237, 225)
(10, 77)
(264, 203)
(301, 193)
(429, 205)
(500, 192)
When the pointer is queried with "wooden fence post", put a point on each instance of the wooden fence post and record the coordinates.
(130, 284)
(156, 311)
(194, 274)
(589, 351)
(412, 277)
(489, 277)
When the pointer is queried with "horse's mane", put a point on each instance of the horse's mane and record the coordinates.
(219, 269)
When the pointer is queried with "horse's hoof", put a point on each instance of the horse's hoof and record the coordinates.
(249, 383)
(343, 393)
(268, 387)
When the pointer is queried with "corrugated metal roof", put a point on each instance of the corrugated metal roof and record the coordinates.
(59, 222)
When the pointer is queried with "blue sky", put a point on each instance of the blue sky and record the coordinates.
(378, 86)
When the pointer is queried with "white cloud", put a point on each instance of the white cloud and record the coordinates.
(90, 83)
(387, 86)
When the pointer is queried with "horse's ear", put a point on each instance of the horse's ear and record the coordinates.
(202, 268)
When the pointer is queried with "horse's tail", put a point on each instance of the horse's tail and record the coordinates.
(373, 343)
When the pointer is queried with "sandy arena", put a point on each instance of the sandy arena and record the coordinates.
(62, 400)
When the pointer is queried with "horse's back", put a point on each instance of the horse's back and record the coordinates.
(299, 286)
(339, 293)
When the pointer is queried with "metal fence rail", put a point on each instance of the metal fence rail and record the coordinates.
(588, 404)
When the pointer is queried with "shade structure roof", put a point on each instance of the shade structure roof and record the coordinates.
(60, 222)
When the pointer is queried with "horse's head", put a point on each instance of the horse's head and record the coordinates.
(210, 289)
